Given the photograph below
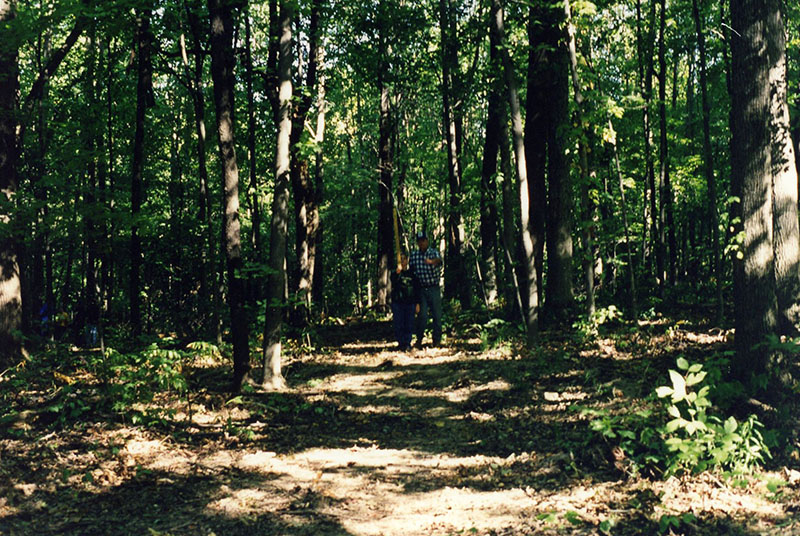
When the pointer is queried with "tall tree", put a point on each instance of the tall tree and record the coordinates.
(587, 204)
(306, 210)
(491, 148)
(757, 56)
(455, 275)
(144, 83)
(273, 325)
(559, 291)
(385, 169)
(666, 226)
(531, 287)
(708, 161)
(784, 184)
(536, 130)
(10, 289)
(207, 242)
(221, 14)
(644, 43)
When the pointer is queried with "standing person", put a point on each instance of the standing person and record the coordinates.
(426, 263)
(405, 300)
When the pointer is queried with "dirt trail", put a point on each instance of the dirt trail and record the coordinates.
(369, 442)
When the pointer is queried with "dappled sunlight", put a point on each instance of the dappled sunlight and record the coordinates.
(436, 441)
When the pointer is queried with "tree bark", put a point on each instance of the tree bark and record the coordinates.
(531, 283)
(708, 161)
(273, 377)
(587, 205)
(488, 204)
(755, 298)
(210, 294)
(666, 217)
(10, 289)
(252, 190)
(221, 14)
(536, 134)
(786, 230)
(143, 84)
(559, 292)
(385, 171)
(456, 280)
(305, 198)
(645, 55)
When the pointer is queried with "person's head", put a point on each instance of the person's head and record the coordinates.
(404, 260)
(422, 240)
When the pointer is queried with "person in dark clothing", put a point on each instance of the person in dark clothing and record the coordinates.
(405, 301)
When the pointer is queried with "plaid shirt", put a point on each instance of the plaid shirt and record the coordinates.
(427, 275)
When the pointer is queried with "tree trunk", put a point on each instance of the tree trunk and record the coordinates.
(456, 280)
(531, 283)
(587, 204)
(144, 83)
(509, 232)
(559, 293)
(786, 231)
(317, 295)
(305, 206)
(628, 246)
(708, 161)
(536, 131)
(92, 139)
(210, 294)
(488, 204)
(273, 377)
(385, 170)
(222, 61)
(666, 217)
(10, 289)
(252, 190)
(755, 298)
(645, 54)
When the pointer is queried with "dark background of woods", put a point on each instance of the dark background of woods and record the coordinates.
(229, 169)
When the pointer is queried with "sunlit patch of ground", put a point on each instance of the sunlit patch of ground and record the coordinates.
(370, 441)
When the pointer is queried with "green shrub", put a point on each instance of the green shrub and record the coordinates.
(695, 440)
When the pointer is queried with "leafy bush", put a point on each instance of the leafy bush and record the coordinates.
(589, 326)
(696, 440)
(692, 439)
(496, 332)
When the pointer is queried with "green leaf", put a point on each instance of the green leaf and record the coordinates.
(678, 386)
(573, 517)
(674, 424)
(674, 411)
(696, 368)
(682, 363)
(694, 379)
(731, 425)
(663, 391)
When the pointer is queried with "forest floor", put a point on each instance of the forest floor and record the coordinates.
(467, 438)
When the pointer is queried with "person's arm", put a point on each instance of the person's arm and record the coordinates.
(434, 261)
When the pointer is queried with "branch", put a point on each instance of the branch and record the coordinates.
(53, 63)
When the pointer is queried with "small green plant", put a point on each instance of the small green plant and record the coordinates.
(497, 332)
(669, 522)
(589, 326)
(696, 440)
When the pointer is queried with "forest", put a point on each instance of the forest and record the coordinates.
(203, 205)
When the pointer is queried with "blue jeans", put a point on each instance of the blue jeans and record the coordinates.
(403, 320)
(430, 299)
